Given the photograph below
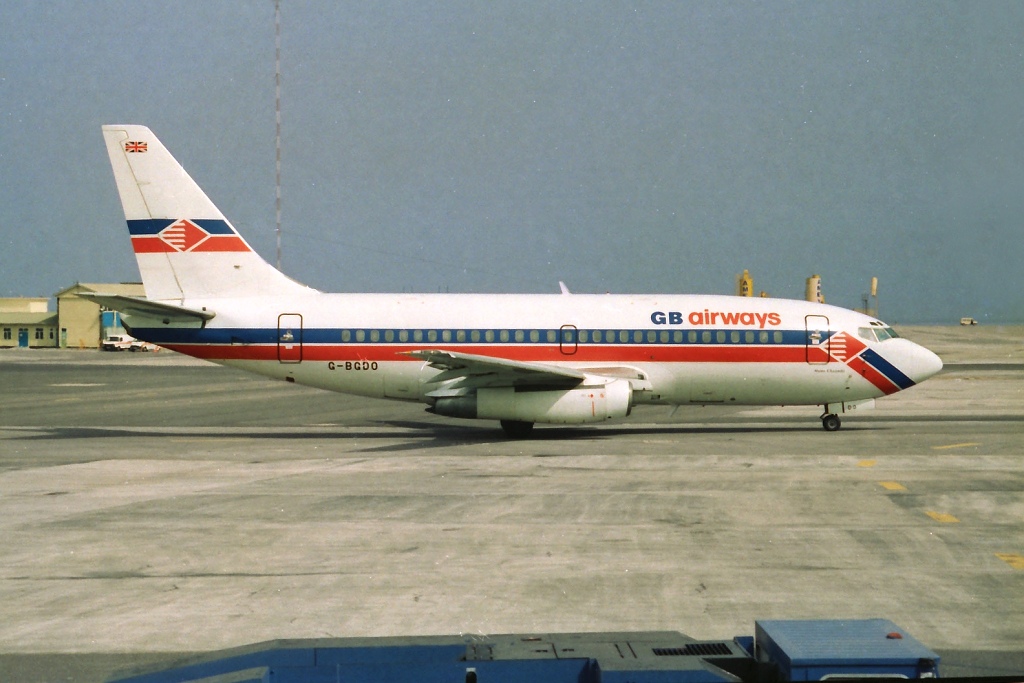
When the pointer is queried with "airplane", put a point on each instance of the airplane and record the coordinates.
(520, 359)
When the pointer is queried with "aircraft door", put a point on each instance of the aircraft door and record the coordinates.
(289, 338)
(568, 338)
(819, 340)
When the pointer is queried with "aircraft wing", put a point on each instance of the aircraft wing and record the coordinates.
(130, 305)
(473, 371)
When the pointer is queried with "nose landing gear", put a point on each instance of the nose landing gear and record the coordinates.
(830, 421)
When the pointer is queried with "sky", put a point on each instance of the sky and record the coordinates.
(504, 145)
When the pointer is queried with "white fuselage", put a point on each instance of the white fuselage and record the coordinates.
(673, 349)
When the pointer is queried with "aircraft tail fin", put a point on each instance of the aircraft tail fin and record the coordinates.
(184, 245)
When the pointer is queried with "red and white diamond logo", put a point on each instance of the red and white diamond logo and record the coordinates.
(845, 347)
(183, 235)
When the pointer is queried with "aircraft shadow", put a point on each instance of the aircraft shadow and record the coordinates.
(419, 435)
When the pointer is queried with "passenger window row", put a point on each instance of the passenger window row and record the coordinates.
(563, 336)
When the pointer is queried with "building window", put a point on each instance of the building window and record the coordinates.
(39, 333)
(7, 333)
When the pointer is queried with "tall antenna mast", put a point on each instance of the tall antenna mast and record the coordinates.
(277, 109)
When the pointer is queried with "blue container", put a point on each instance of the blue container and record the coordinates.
(812, 650)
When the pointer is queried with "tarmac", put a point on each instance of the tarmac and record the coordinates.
(153, 506)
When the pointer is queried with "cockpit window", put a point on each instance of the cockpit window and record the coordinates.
(877, 333)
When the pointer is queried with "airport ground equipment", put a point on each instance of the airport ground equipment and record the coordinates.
(779, 651)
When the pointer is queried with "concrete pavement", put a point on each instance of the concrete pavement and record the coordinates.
(152, 504)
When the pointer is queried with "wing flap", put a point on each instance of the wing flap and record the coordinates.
(466, 370)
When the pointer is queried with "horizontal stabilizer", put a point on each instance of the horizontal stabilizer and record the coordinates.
(168, 313)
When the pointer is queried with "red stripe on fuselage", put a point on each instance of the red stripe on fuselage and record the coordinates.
(527, 354)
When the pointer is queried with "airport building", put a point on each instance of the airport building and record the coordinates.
(78, 323)
(27, 322)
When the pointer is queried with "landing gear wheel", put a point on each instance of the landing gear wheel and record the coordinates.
(831, 423)
(514, 429)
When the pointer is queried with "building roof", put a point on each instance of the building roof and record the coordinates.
(123, 288)
(27, 319)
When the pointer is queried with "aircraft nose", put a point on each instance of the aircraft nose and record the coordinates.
(921, 363)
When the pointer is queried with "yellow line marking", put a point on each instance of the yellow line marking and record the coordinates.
(942, 517)
(956, 445)
(866, 463)
(1013, 559)
(892, 486)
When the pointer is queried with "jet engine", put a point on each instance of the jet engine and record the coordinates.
(562, 406)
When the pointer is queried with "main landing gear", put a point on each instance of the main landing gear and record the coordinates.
(514, 429)
(830, 421)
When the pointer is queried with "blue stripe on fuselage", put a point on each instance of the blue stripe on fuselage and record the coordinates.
(426, 337)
